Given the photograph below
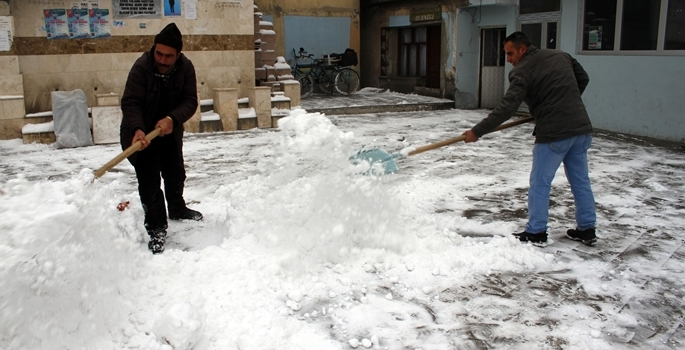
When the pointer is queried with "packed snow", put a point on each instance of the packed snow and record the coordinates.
(299, 249)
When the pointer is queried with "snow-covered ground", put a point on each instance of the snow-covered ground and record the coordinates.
(299, 251)
(368, 97)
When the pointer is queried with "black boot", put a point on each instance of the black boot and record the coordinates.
(535, 238)
(586, 236)
(184, 213)
(157, 240)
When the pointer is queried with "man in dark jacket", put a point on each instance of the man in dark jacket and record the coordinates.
(161, 92)
(551, 83)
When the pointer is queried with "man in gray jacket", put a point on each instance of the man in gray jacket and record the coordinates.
(551, 83)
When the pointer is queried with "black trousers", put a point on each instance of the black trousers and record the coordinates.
(161, 157)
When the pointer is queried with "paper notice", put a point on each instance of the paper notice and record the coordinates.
(4, 41)
(191, 10)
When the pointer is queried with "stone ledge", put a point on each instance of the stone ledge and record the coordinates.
(39, 137)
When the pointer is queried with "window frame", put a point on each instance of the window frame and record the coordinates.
(544, 18)
(414, 43)
(661, 35)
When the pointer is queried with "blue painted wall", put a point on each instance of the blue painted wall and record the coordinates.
(317, 35)
(639, 95)
(399, 21)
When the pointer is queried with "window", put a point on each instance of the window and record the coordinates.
(551, 35)
(537, 6)
(656, 26)
(539, 20)
(599, 25)
(412, 54)
(640, 24)
(675, 26)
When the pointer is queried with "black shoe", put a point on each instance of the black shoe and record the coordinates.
(535, 238)
(157, 240)
(185, 214)
(586, 236)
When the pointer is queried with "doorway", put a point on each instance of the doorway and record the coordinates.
(492, 60)
(433, 46)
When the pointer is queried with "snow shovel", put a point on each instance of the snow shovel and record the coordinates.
(382, 162)
(125, 154)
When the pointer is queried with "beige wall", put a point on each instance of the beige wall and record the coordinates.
(106, 73)
(212, 18)
(53, 65)
(4, 8)
(10, 79)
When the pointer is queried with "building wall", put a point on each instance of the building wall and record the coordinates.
(317, 26)
(393, 14)
(220, 43)
(317, 35)
(633, 94)
(470, 21)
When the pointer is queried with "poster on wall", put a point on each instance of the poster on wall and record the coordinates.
(190, 10)
(5, 33)
(99, 23)
(595, 38)
(56, 23)
(137, 8)
(172, 8)
(79, 23)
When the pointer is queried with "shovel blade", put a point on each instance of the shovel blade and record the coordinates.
(380, 161)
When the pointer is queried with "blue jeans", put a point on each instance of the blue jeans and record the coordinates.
(546, 160)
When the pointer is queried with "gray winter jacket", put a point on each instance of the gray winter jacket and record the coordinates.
(550, 82)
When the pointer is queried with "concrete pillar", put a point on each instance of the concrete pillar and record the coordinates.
(260, 99)
(291, 88)
(12, 104)
(12, 113)
(193, 124)
(226, 105)
(107, 99)
(106, 117)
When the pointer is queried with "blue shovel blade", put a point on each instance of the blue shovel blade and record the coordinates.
(380, 161)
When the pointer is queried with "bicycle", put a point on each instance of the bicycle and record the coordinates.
(324, 73)
(314, 73)
(347, 79)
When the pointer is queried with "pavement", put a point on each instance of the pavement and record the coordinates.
(655, 243)
(373, 100)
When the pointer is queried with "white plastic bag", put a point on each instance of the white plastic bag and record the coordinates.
(70, 114)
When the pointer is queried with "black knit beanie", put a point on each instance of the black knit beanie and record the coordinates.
(170, 36)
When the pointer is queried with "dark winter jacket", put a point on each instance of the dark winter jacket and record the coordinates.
(550, 82)
(145, 101)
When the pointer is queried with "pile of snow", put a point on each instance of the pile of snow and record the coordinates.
(67, 253)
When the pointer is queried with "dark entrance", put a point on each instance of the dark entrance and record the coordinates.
(433, 58)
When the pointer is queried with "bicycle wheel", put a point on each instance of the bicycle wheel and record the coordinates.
(347, 81)
(306, 85)
(325, 82)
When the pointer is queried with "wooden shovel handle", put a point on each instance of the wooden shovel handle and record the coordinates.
(463, 137)
(126, 153)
